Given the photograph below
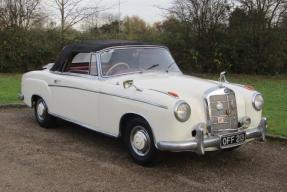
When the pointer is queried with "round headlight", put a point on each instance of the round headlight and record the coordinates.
(182, 111)
(258, 101)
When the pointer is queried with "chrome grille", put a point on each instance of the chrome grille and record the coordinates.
(224, 120)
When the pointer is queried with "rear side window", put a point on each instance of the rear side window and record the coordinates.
(78, 63)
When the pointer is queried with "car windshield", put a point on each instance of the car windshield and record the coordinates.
(129, 60)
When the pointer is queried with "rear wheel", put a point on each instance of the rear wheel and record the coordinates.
(43, 118)
(139, 141)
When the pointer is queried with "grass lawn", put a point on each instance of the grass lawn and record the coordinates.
(274, 90)
(9, 88)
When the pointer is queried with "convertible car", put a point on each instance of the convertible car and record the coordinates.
(136, 91)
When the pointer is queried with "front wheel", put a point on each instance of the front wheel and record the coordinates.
(43, 118)
(140, 143)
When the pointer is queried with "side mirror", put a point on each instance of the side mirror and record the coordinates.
(128, 83)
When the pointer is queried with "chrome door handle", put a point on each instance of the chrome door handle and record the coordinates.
(56, 81)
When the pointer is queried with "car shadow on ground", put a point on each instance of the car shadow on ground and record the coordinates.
(181, 159)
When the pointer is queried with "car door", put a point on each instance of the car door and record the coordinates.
(75, 90)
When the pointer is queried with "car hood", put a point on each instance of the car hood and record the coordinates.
(183, 85)
(189, 89)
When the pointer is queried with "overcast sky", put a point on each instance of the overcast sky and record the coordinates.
(146, 9)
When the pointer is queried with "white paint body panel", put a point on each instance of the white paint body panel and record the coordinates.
(99, 104)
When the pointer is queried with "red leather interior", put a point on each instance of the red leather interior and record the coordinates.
(82, 68)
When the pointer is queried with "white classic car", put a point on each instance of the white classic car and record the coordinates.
(136, 91)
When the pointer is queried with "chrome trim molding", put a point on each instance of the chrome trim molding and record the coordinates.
(218, 90)
(200, 143)
(75, 75)
(165, 93)
(259, 132)
(207, 94)
(113, 95)
(133, 46)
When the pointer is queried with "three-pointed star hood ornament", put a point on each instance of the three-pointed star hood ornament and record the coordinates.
(222, 78)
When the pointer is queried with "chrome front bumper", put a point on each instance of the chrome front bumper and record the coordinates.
(201, 143)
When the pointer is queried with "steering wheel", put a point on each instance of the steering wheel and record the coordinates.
(112, 68)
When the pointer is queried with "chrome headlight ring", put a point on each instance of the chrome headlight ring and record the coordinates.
(182, 111)
(257, 101)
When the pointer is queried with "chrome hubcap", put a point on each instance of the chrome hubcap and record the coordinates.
(41, 110)
(140, 140)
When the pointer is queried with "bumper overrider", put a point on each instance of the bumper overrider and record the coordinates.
(201, 142)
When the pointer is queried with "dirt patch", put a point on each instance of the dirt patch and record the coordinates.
(72, 158)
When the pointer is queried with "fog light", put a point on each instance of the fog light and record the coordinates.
(245, 122)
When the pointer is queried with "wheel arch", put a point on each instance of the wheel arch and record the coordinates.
(125, 119)
(34, 99)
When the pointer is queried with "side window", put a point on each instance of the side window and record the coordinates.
(78, 63)
(94, 68)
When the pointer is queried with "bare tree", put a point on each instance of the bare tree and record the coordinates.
(19, 13)
(73, 12)
(203, 15)
(272, 10)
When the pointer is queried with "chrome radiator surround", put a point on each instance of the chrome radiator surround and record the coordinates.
(226, 98)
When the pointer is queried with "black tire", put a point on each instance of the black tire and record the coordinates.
(44, 119)
(149, 154)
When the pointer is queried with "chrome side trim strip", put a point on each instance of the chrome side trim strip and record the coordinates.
(113, 95)
(74, 75)
(83, 125)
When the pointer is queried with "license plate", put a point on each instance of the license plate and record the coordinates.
(232, 140)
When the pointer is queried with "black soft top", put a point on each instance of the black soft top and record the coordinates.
(93, 46)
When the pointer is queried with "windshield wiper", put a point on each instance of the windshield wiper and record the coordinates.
(167, 69)
(153, 66)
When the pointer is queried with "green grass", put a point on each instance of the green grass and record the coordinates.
(274, 90)
(9, 88)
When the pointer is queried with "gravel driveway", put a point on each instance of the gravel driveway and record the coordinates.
(71, 158)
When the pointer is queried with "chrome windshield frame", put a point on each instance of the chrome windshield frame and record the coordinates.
(98, 53)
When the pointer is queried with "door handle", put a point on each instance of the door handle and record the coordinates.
(56, 81)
